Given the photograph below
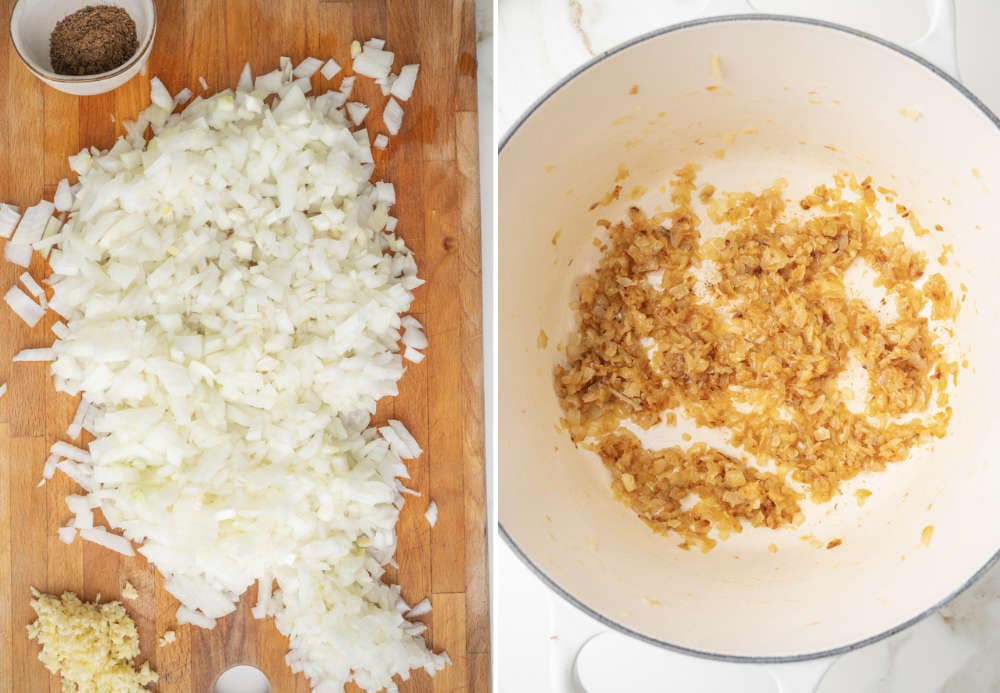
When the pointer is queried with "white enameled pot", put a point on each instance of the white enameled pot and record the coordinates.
(819, 98)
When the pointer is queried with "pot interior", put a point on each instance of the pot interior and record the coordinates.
(795, 100)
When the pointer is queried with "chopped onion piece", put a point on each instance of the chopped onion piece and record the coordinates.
(246, 79)
(347, 86)
(186, 615)
(99, 535)
(9, 216)
(393, 116)
(373, 62)
(202, 82)
(49, 468)
(375, 43)
(412, 355)
(355, 48)
(18, 253)
(307, 68)
(26, 309)
(77, 472)
(71, 452)
(44, 354)
(33, 223)
(385, 193)
(419, 609)
(270, 82)
(183, 96)
(63, 198)
(76, 426)
(381, 142)
(357, 112)
(66, 534)
(31, 285)
(159, 95)
(3, 389)
(402, 88)
(413, 447)
(432, 513)
(330, 69)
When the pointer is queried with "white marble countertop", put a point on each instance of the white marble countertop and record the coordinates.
(536, 633)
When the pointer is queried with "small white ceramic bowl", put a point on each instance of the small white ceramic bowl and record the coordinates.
(31, 25)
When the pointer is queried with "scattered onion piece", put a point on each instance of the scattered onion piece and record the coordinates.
(392, 116)
(330, 69)
(26, 309)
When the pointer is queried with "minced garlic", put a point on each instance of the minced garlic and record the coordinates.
(89, 645)
(168, 637)
(129, 591)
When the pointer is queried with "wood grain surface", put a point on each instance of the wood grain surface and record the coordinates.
(433, 163)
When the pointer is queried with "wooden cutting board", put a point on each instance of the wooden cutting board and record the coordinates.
(433, 163)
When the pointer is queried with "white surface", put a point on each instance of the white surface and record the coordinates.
(947, 652)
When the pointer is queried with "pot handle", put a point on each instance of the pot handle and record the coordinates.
(937, 45)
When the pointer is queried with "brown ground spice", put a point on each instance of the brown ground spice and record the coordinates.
(93, 40)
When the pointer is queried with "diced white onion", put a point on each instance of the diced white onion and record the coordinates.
(33, 223)
(9, 216)
(159, 94)
(71, 452)
(432, 513)
(347, 86)
(18, 253)
(392, 116)
(202, 82)
(381, 142)
(49, 468)
(43, 354)
(412, 355)
(183, 96)
(232, 302)
(330, 69)
(412, 446)
(245, 83)
(66, 534)
(63, 199)
(270, 82)
(26, 309)
(76, 426)
(186, 615)
(420, 608)
(402, 88)
(307, 68)
(385, 193)
(357, 112)
(31, 285)
(78, 472)
(99, 535)
(373, 62)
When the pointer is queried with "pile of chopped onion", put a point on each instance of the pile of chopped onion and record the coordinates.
(233, 295)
